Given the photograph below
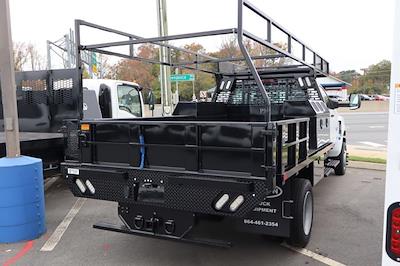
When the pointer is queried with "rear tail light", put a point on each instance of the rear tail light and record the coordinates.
(221, 202)
(395, 239)
(90, 186)
(80, 185)
(236, 203)
(393, 232)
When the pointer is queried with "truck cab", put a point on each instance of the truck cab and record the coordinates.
(116, 98)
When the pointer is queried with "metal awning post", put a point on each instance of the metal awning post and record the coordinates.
(7, 77)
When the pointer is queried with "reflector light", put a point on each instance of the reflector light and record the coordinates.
(90, 186)
(80, 185)
(236, 203)
(395, 232)
(221, 202)
(85, 127)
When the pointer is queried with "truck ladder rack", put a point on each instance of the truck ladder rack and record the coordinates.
(319, 65)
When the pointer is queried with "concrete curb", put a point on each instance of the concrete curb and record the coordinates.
(367, 166)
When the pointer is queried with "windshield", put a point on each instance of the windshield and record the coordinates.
(129, 100)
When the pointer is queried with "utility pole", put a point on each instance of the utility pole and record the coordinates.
(7, 77)
(165, 71)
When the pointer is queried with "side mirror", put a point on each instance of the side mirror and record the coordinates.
(355, 101)
(151, 100)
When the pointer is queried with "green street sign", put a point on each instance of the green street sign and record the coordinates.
(183, 77)
(94, 63)
(94, 59)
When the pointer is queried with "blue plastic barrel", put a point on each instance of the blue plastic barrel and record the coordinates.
(22, 209)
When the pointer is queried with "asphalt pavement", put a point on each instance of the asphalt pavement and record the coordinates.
(367, 129)
(347, 229)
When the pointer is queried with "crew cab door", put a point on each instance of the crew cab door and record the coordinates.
(127, 101)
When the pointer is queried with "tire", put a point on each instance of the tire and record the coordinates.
(341, 168)
(302, 212)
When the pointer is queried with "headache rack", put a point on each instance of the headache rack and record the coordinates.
(304, 58)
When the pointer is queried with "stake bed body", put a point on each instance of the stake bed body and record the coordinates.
(250, 156)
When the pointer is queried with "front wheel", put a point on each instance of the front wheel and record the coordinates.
(302, 209)
(341, 168)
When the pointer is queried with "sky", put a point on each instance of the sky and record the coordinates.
(349, 34)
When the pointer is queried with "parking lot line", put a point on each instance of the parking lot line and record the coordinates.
(49, 182)
(313, 255)
(52, 242)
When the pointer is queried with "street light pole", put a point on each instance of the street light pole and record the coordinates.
(7, 78)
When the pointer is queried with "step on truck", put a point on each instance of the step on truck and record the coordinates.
(250, 156)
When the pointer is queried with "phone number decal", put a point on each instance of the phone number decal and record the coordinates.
(260, 223)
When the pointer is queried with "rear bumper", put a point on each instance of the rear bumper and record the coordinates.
(190, 192)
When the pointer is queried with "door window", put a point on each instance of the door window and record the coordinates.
(129, 100)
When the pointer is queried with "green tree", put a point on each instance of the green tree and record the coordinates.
(376, 78)
(145, 74)
(203, 81)
(348, 75)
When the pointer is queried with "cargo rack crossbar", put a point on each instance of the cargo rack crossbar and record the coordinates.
(319, 66)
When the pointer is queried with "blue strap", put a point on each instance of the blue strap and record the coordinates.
(142, 151)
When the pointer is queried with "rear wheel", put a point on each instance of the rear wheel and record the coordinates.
(303, 209)
(341, 168)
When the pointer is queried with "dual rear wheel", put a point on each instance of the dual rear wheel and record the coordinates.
(303, 204)
(302, 210)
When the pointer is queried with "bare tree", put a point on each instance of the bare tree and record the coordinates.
(20, 55)
(37, 61)
(27, 56)
(107, 69)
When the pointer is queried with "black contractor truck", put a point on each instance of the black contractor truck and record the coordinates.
(50, 101)
(45, 99)
(250, 156)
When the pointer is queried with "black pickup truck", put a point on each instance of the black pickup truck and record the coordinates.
(251, 156)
